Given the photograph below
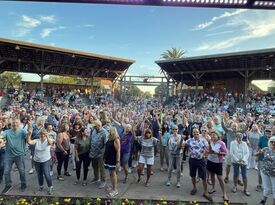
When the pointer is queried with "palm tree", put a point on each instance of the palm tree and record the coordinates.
(174, 53)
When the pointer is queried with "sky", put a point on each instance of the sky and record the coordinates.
(140, 33)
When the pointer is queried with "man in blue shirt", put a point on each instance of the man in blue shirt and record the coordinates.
(15, 152)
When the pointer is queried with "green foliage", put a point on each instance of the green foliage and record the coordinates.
(147, 95)
(10, 79)
(174, 53)
(160, 90)
(64, 80)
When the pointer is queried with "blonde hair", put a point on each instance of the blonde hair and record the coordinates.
(113, 133)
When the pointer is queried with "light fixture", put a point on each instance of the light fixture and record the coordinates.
(73, 56)
(17, 47)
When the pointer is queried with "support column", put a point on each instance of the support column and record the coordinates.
(197, 87)
(167, 88)
(42, 81)
(162, 91)
(246, 85)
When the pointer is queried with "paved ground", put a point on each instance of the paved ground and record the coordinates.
(156, 191)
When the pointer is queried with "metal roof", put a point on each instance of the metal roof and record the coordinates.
(245, 4)
(19, 56)
(222, 66)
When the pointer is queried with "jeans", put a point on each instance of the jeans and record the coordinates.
(83, 158)
(268, 184)
(73, 155)
(43, 168)
(98, 166)
(236, 170)
(60, 159)
(2, 167)
(20, 163)
(174, 160)
(164, 155)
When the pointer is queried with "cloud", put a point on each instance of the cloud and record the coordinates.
(253, 25)
(216, 18)
(46, 32)
(28, 22)
(48, 19)
(52, 44)
(220, 33)
(88, 25)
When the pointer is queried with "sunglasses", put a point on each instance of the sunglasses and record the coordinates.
(174, 129)
(272, 142)
(148, 133)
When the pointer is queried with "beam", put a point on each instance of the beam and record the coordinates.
(218, 71)
(58, 65)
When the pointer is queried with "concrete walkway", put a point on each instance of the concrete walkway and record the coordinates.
(132, 190)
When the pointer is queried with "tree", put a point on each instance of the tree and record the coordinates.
(174, 53)
(9, 79)
(160, 90)
(64, 80)
(147, 95)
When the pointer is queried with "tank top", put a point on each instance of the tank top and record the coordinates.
(65, 143)
(110, 153)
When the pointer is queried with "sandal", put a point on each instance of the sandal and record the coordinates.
(84, 184)
(193, 191)
(209, 198)
(234, 190)
(212, 191)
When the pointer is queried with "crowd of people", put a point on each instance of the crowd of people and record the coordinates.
(108, 136)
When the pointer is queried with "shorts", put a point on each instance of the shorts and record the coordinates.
(215, 168)
(110, 167)
(197, 164)
(124, 158)
(146, 160)
(228, 160)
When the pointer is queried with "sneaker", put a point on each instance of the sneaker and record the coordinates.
(60, 178)
(174, 171)
(129, 170)
(31, 171)
(181, 174)
(102, 185)
(51, 173)
(145, 166)
(168, 183)
(50, 190)
(41, 188)
(178, 185)
(67, 174)
(95, 181)
(161, 169)
(6, 189)
(234, 190)
(23, 188)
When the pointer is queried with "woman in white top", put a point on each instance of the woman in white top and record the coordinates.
(42, 159)
(240, 154)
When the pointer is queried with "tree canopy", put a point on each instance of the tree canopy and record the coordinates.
(174, 53)
(9, 79)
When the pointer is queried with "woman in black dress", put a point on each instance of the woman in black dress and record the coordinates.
(111, 159)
